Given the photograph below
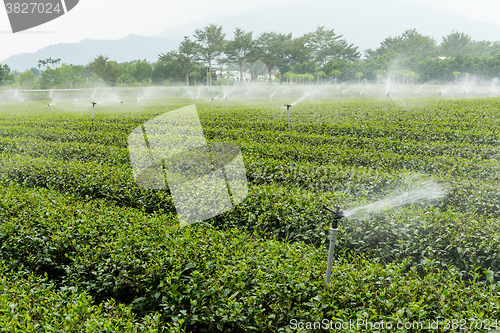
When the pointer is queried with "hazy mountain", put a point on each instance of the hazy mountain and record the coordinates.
(132, 47)
(364, 23)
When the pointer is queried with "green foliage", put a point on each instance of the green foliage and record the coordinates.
(409, 44)
(327, 45)
(108, 71)
(105, 252)
(210, 44)
(29, 303)
(6, 76)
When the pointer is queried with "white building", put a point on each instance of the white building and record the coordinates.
(266, 76)
(234, 75)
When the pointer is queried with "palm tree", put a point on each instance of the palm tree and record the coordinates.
(288, 76)
(320, 75)
(412, 76)
(379, 73)
(456, 77)
(359, 75)
(335, 73)
(308, 77)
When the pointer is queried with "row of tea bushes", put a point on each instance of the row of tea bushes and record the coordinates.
(230, 280)
(30, 303)
(287, 213)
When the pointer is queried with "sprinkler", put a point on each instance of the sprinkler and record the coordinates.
(288, 111)
(387, 103)
(93, 105)
(212, 102)
(440, 93)
(48, 107)
(337, 216)
(121, 110)
(226, 102)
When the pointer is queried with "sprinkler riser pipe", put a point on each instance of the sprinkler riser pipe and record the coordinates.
(331, 251)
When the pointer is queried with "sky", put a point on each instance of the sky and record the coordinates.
(113, 19)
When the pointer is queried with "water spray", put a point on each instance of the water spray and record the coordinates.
(337, 216)
(93, 105)
(288, 112)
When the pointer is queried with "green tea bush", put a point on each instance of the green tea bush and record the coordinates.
(218, 280)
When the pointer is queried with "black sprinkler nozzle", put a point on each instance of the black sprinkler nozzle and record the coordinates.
(288, 106)
(337, 215)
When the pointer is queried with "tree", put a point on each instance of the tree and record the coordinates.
(5, 74)
(108, 71)
(35, 71)
(241, 50)
(455, 43)
(210, 44)
(48, 61)
(456, 73)
(65, 76)
(379, 73)
(142, 71)
(335, 73)
(289, 76)
(297, 50)
(308, 77)
(27, 79)
(411, 75)
(195, 74)
(166, 71)
(270, 46)
(359, 75)
(494, 49)
(326, 46)
(184, 57)
(409, 44)
(320, 76)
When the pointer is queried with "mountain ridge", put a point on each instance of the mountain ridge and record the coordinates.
(363, 24)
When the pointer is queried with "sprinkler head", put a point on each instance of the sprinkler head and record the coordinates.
(93, 103)
(337, 215)
(288, 106)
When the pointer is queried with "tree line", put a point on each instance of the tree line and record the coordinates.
(209, 58)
